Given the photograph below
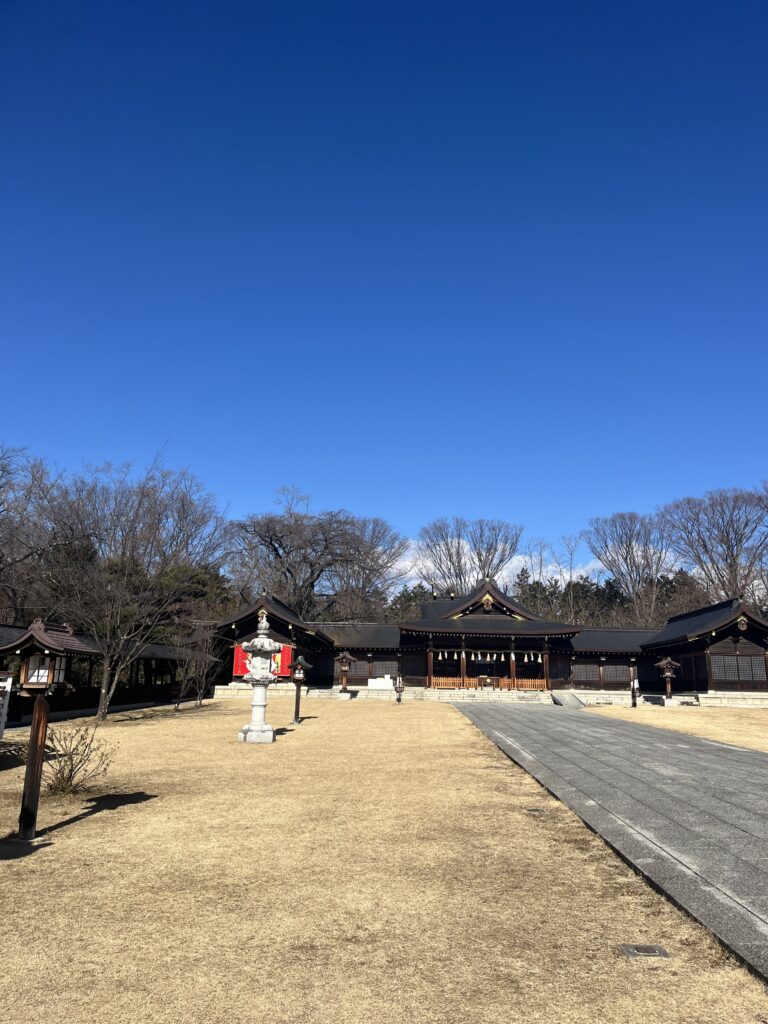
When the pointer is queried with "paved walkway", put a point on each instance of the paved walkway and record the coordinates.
(690, 814)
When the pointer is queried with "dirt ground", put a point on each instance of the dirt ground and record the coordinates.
(744, 727)
(377, 864)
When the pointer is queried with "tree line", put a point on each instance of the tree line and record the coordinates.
(135, 557)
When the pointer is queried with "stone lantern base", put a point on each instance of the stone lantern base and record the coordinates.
(256, 734)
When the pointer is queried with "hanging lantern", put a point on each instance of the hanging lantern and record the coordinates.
(493, 657)
(440, 656)
(525, 659)
(539, 659)
(455, 655)
(472, 657)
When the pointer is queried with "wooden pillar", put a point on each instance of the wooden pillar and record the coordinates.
(708, 657)
(512, 670)
(602, 674)
(463, 665)
(546, 669)
(430, 655)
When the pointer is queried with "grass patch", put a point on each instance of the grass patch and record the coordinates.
(743, 727)
(368, 867)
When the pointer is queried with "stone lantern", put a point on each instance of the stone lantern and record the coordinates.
(259, 651)
(344, 661)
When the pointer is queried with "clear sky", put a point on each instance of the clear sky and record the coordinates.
(499, 259)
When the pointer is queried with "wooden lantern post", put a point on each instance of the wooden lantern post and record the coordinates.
(34, 773)
(298, 668)
(667, 667)
(344, 661)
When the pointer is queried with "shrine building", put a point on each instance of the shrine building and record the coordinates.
(487, 640)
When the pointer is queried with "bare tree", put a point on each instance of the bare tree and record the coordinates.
(635, 550)
(22, 541)
(322, 564)
(375, 566)
(565, 562)
(198, 666)
(722, 539)
(455, 554)
(126, 555)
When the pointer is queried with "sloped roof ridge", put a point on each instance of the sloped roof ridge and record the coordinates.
(729, 602)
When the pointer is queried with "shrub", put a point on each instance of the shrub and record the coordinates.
(74, 758)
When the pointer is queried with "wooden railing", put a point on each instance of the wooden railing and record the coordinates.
(526, 684)
(455, 683)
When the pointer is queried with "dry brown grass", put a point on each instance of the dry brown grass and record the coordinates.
(376, 865)
(744, 727)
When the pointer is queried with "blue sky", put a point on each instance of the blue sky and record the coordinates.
(497, 259)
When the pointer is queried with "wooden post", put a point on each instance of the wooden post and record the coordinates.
(297, 705)
(430, 660)
(602, 674)
(512, 670)
(546, 669)
(34, 773)
(463, 664)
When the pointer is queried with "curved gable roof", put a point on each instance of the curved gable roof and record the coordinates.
(277, 609)
(694, 624)
(59, 639)
(487, 593)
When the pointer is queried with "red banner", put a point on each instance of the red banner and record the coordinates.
(281, 662)
(241, 665)
(280, 666)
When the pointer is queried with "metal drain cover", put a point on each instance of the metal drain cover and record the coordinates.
(535, 810)
(643, 951)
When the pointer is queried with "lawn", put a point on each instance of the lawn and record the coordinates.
(744, 727)
(378, 864)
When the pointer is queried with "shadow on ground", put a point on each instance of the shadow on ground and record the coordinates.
(13, 848)
(11, 754)
(165, 711)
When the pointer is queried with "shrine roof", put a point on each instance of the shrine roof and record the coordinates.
(275, 609)
(473, 603)
(619, 641)
(490, 625)
(57, 638)
(700, 621)
(360, 634)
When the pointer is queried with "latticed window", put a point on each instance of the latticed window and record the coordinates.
(730, 668)
(385, 668)
(585, 672)
(616, 673)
